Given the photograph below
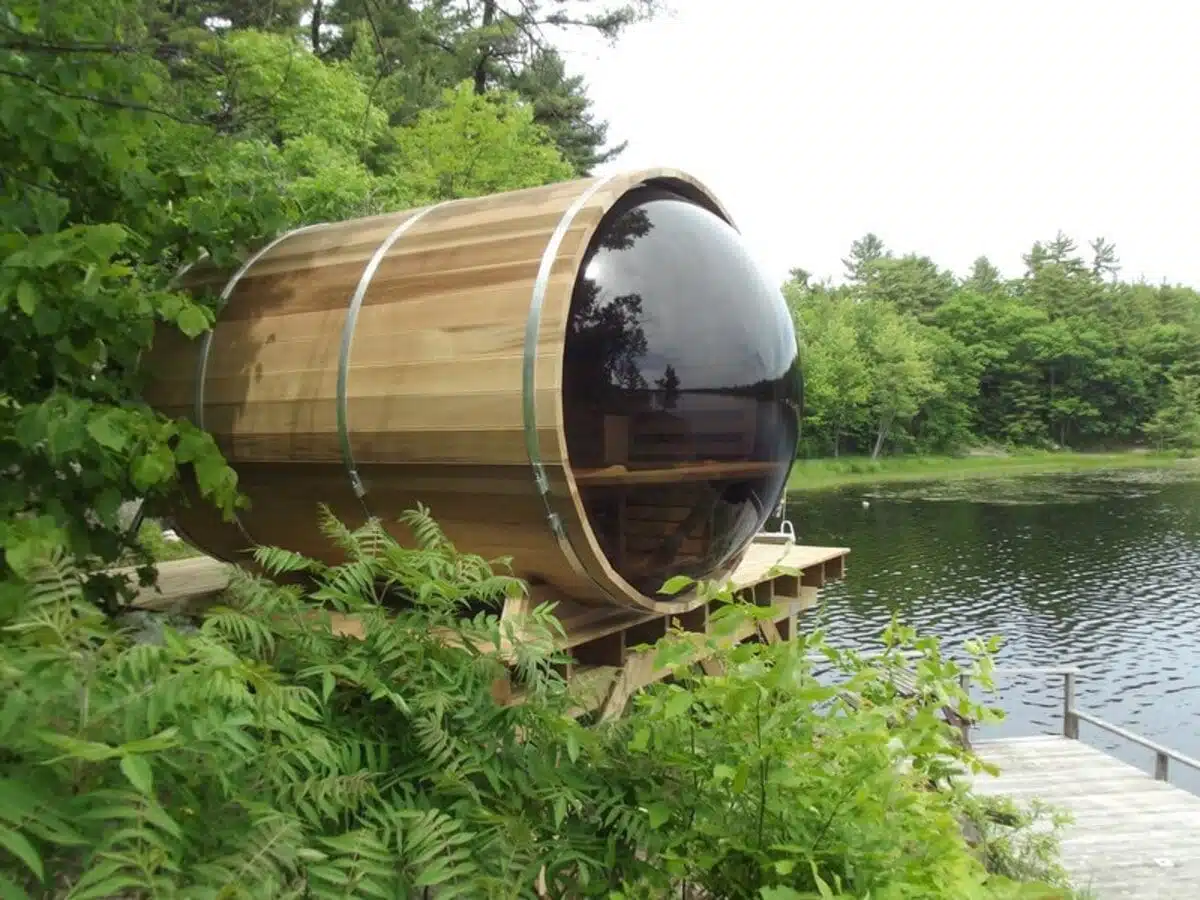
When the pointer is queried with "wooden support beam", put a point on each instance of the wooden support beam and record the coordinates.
(181, 582)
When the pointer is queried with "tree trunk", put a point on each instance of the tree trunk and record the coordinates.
(885, 425)
(489, 18)
(314, 28)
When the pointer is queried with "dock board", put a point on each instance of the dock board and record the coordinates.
(1133, 837)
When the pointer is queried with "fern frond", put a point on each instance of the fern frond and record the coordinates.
(240, 629)
(425, 529)
(337, 532)
(373, 539)
(277, 561)
(433, 849)
(349, 586)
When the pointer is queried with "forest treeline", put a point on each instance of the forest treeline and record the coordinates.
(905, 357)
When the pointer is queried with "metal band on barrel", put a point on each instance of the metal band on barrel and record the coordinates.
(343, 375)
(207, 339)
(533, 327)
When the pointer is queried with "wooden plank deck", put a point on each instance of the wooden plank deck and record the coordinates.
(1133, 837)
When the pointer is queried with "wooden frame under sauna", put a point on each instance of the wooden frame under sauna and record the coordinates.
(607, 669)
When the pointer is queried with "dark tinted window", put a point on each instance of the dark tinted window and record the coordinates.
(681, 389)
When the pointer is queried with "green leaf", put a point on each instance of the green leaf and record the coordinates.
(17, 844)
(153, 468)
(27, 297)
(659, 813)
(139, 772)
(572, 746)
(102, 890)
(641, 739)
(192, 321)
(675, 584)
(9, 891)
(105, 431)
(679, 703)
(46, 319)
(77, 749)
(164, 740)
(104, 240)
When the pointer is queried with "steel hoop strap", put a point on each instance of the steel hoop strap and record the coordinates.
(343, 374)
(533, 325)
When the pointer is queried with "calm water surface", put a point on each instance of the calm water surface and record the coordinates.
(1101, 571)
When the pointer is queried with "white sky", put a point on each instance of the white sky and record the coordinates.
(951, 129)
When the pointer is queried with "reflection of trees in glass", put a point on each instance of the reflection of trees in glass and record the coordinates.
(632, 399)
(669, 386)
(606, 341)
(605, 337)
(625, 231)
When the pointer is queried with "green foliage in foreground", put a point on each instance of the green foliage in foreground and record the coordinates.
(260, 755)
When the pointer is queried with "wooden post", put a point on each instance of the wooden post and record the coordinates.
(1161, 764)
(1070, 720)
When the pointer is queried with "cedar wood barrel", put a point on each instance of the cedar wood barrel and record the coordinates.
(593, 378)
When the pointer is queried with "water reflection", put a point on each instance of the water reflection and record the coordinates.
(1100, 571)
(680, 389)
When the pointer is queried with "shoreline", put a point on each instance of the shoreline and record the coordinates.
(830, 473)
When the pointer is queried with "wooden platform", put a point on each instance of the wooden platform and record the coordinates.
(1133, 836)
(606, 668)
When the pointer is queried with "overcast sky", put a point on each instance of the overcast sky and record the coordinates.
(951, 129)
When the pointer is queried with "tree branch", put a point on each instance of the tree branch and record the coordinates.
(111, 102)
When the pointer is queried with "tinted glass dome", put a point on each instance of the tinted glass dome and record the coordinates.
(681, 390)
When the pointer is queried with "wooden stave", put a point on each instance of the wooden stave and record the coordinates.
(571, 562)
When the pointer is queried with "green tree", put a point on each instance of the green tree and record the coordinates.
(864, 254)
(562, 107)
(1176, 423)
(913, 284)
(837, 375)
(86, 265)
(506, 45)
(902, 369)
(472, 145)
(984, 278)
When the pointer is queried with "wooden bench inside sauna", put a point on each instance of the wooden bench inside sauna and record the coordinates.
(593, 378)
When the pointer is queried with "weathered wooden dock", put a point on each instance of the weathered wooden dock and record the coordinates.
(1134, 836)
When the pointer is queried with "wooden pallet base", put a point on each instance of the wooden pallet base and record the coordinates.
(607, 667)
(608, 688)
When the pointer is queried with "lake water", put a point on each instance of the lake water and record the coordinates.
(1101, 571)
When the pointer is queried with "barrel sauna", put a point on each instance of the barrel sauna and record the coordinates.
(593, 378)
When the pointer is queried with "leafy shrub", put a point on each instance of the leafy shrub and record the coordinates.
(346, 740)
(1018, 842)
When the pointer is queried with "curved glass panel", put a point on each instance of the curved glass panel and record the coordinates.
(681, 390)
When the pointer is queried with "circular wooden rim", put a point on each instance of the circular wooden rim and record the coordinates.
(559, 300)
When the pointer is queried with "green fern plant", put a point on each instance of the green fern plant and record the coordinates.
(265, 754)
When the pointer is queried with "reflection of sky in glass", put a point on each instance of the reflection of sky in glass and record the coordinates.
(696, 255)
